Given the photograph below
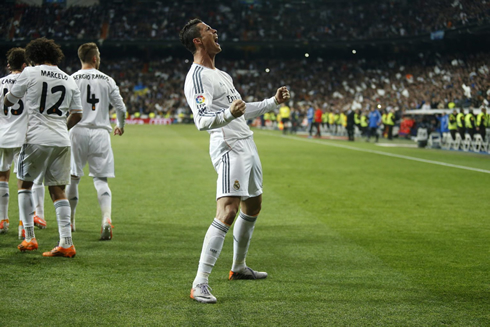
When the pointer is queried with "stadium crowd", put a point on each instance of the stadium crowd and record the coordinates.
(265, 21)
(429, 81)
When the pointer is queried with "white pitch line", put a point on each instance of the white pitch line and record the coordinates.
(383, 153)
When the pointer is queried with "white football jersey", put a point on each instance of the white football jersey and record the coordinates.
(209, 93)
(98, 91)
(13, 120)
(50, 94)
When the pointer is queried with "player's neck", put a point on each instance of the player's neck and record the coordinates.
(88, 66)
(204, 59)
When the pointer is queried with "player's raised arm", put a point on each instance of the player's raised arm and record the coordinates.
(256, 109)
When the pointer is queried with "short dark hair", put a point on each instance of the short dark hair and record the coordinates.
(42, 50)
(87, 51)
(188, 33)
(16, 58)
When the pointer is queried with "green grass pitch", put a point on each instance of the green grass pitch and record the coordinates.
(349, 238)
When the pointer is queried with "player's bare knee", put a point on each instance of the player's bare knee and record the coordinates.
(253, 212)
(24, 185)
(57, 192)
(227, 214)
(252, 206)
(4, 176)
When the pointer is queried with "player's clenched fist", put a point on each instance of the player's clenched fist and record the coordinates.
(282, 95)
(118, 131)
(237, 108)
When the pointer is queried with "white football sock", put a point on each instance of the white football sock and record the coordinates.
(38, 191)
(105, 197)
(242, 233)
(26, 212)
(211, 248)
(62, 208)
(4, 200)
(72, 194)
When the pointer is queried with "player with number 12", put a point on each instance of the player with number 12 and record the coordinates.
(50, 94)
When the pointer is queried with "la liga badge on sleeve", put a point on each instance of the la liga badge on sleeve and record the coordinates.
(200, 99)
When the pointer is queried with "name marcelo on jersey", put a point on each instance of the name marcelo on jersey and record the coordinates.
(54, 75)
(90, 76)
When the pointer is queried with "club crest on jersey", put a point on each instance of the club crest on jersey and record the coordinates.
(200, 99)
(236, 185)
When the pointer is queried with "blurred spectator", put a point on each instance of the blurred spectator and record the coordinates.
(264, 21)
(406, 126)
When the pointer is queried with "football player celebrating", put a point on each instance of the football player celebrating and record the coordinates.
(219, 109)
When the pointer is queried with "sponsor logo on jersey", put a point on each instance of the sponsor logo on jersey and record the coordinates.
(234, 95)
(200, 99)
(236, 185)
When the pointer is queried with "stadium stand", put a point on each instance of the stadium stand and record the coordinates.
(426, 77)
(434, 82)
(261, 21)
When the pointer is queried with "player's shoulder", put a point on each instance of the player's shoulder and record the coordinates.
(224, 74)
(78, 72)
(97, 74)
(197, 71)
(9, 79)
(31, 70)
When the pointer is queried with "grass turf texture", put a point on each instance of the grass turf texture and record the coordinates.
(348, 238)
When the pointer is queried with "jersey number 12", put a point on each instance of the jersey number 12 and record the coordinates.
(55, 108)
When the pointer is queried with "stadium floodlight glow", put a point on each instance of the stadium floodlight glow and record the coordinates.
(354, 51)
(267, 70)
(307, 55)
(379, 106)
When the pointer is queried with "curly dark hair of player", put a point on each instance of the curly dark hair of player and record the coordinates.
(43, 51)
(87, 51)
(16, 58)
(188, 33)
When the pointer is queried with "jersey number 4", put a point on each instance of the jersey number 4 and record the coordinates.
(14, 111)
(91, 98)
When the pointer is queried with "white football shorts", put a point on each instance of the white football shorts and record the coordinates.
(6, 158)
(92, 145)
(240, 171)
(43, 163)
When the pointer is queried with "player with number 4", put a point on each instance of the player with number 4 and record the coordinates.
(49, 94)
(91, 139)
